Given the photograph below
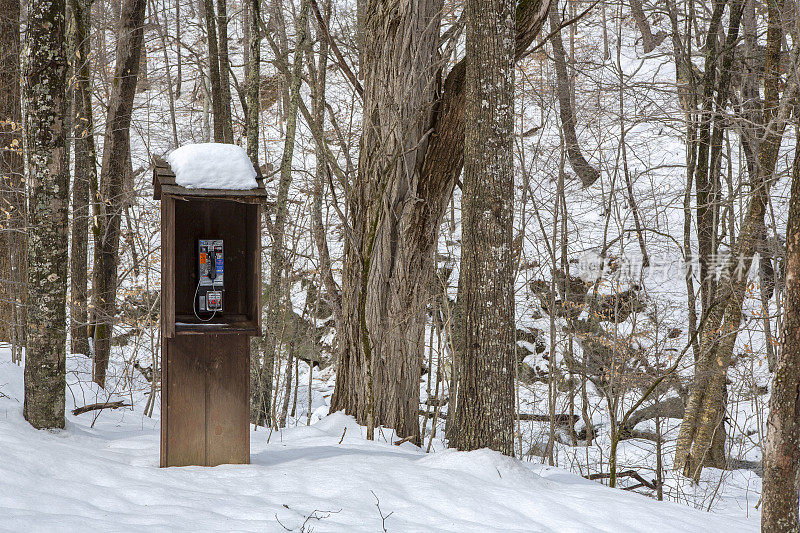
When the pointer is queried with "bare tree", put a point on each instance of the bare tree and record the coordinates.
(116, 148)
(275, 301)
(699, 441)
(411, 157)
(782, 451)
(253, 64)
(485, 409)
(85, 176)
(586, 172)
(12, 190)
(48, 178)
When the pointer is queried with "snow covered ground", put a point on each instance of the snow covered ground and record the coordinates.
(102, 474)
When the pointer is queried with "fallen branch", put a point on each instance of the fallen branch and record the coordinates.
(98, 406)
(561, 419)
(626, 473)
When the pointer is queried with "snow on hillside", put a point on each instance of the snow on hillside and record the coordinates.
(102, 474)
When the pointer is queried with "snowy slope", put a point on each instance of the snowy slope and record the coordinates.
(325, 477)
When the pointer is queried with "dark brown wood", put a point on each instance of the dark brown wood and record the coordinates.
(205, 365)
(183, 408)
(227, 399)
(215, 219)
(168, 268)
(254, 259)
(205, 400)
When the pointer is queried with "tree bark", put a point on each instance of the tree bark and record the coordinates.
(485, 411)
(48, 179)
(649, 41)
(586, 172)
(319, 80)
(253, 77)
(782, 450)
(217, 103)
(383, 314)
(115, 151)
(224, 76)
(412, 153)
(85, 174)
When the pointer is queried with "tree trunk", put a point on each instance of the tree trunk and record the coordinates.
(217, 103)
(485, 415)
(115, 151)
(782, 449)
(383, 304)
(698, 440)
(85, 174)
(48, 179)
(253, 77)
(275, 308)
(224, 76)
(12, 192)
(649, 41)
(319, 79)
(412, 153)
(586, 172)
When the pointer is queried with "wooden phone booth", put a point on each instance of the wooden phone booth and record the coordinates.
(210, 307)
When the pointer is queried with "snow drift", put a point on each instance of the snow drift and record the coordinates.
(326, 476)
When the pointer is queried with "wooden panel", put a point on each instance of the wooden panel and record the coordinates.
(252, 196)
(168, 267)
(185, 413)
(227, 323)
(254, 257)
(211, 219)
(164, 401)
(227, 400)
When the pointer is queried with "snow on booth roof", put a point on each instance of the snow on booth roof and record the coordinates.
(212, 166)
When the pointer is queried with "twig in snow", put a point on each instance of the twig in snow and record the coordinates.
(304, 527)
(383, 517)
(343, 433)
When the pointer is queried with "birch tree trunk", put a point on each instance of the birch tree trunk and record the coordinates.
(485, 413)
(115, 152)
(85, 174)
(48, 179)
(782, 450)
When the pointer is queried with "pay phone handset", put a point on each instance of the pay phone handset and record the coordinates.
(210, 277)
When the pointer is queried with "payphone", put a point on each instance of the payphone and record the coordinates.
(210, 276)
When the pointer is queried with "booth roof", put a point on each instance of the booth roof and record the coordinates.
(212, 166)
(208, 170)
